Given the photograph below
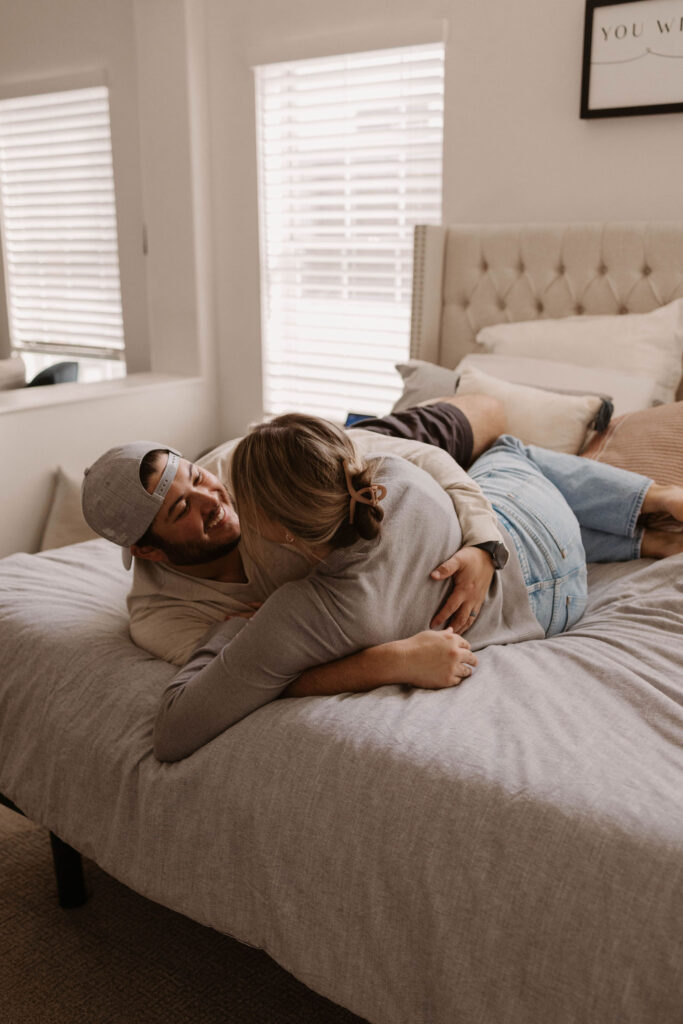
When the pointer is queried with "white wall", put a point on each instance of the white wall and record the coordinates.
(183, 123)
(71, 434)
(41, 41)
(151, 52)
(514, 148)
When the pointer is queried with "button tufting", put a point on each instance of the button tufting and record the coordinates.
(602, 269)
(579, 310)
(623, 309)
(520, 267)
(484, 266)
(501, 304)
(647, 271)
(539, 307)
(561, 268)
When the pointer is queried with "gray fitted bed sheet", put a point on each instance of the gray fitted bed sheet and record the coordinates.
(507, 852)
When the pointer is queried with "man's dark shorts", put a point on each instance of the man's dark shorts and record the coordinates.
(440, 424)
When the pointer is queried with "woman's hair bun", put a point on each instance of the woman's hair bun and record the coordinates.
(367, 518)
(305, 474)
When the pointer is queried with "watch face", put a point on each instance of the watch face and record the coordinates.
(498, 552)
(500, 556)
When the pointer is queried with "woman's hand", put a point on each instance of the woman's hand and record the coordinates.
(473, 571)
(431, 660)
(437, 660)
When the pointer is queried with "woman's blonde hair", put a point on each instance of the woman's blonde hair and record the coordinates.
(293, 470)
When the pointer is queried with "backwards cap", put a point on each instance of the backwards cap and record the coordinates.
(114, 501)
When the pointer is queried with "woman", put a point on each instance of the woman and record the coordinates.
(372, 530)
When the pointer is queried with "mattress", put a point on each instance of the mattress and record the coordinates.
(506, 852)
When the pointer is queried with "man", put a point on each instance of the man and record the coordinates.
(177, 521)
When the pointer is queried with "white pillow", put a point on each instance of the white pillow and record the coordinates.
(536, 416)
(650, 344)
(12, 373)
(627, 392)
(65, 523)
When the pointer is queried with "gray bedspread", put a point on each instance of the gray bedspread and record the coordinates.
(508, 852)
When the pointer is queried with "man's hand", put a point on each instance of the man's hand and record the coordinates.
(473, 571)
(437, 660)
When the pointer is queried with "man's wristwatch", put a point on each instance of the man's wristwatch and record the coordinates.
(497, 550)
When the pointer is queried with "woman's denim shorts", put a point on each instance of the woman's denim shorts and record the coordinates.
(543, 528)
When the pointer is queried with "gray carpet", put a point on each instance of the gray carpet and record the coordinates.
(120, 959)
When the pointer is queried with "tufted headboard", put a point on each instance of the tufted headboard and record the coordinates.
(468, 276)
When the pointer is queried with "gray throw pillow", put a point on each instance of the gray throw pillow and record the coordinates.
(424, 381)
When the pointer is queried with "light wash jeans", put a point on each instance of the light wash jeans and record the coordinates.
(561, 512)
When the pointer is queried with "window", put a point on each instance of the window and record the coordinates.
(350, 158)
(58, 227)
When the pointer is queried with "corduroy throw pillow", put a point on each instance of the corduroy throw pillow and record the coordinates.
(650, 442)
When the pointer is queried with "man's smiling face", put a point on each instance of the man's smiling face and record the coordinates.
(197, 522)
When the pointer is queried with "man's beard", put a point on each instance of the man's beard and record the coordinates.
(197, 553)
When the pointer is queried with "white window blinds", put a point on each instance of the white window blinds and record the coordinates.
(58, 224)
(350, 158)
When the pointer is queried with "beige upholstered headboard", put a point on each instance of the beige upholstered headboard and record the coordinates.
(468, 276)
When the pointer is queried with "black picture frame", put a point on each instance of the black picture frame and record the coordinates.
(651, 17)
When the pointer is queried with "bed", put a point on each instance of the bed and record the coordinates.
(507, 852)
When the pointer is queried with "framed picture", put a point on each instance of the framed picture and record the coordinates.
(632, 58)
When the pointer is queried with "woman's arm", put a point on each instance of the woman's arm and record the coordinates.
(478, 521)
(242, 665)
(430, 660)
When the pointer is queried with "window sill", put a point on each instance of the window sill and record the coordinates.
(25, 399)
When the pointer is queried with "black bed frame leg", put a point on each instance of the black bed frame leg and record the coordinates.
(68, 866)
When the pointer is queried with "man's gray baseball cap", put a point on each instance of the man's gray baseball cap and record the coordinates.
(114, 501)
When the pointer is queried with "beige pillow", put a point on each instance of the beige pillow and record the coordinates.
(648, 344)
(626, 391)
(65, 523)
(536, 416)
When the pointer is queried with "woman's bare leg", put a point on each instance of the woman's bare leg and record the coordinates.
(486, 416)
(661, 543)
(666, 498)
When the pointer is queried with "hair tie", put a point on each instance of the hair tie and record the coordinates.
(370, 495)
